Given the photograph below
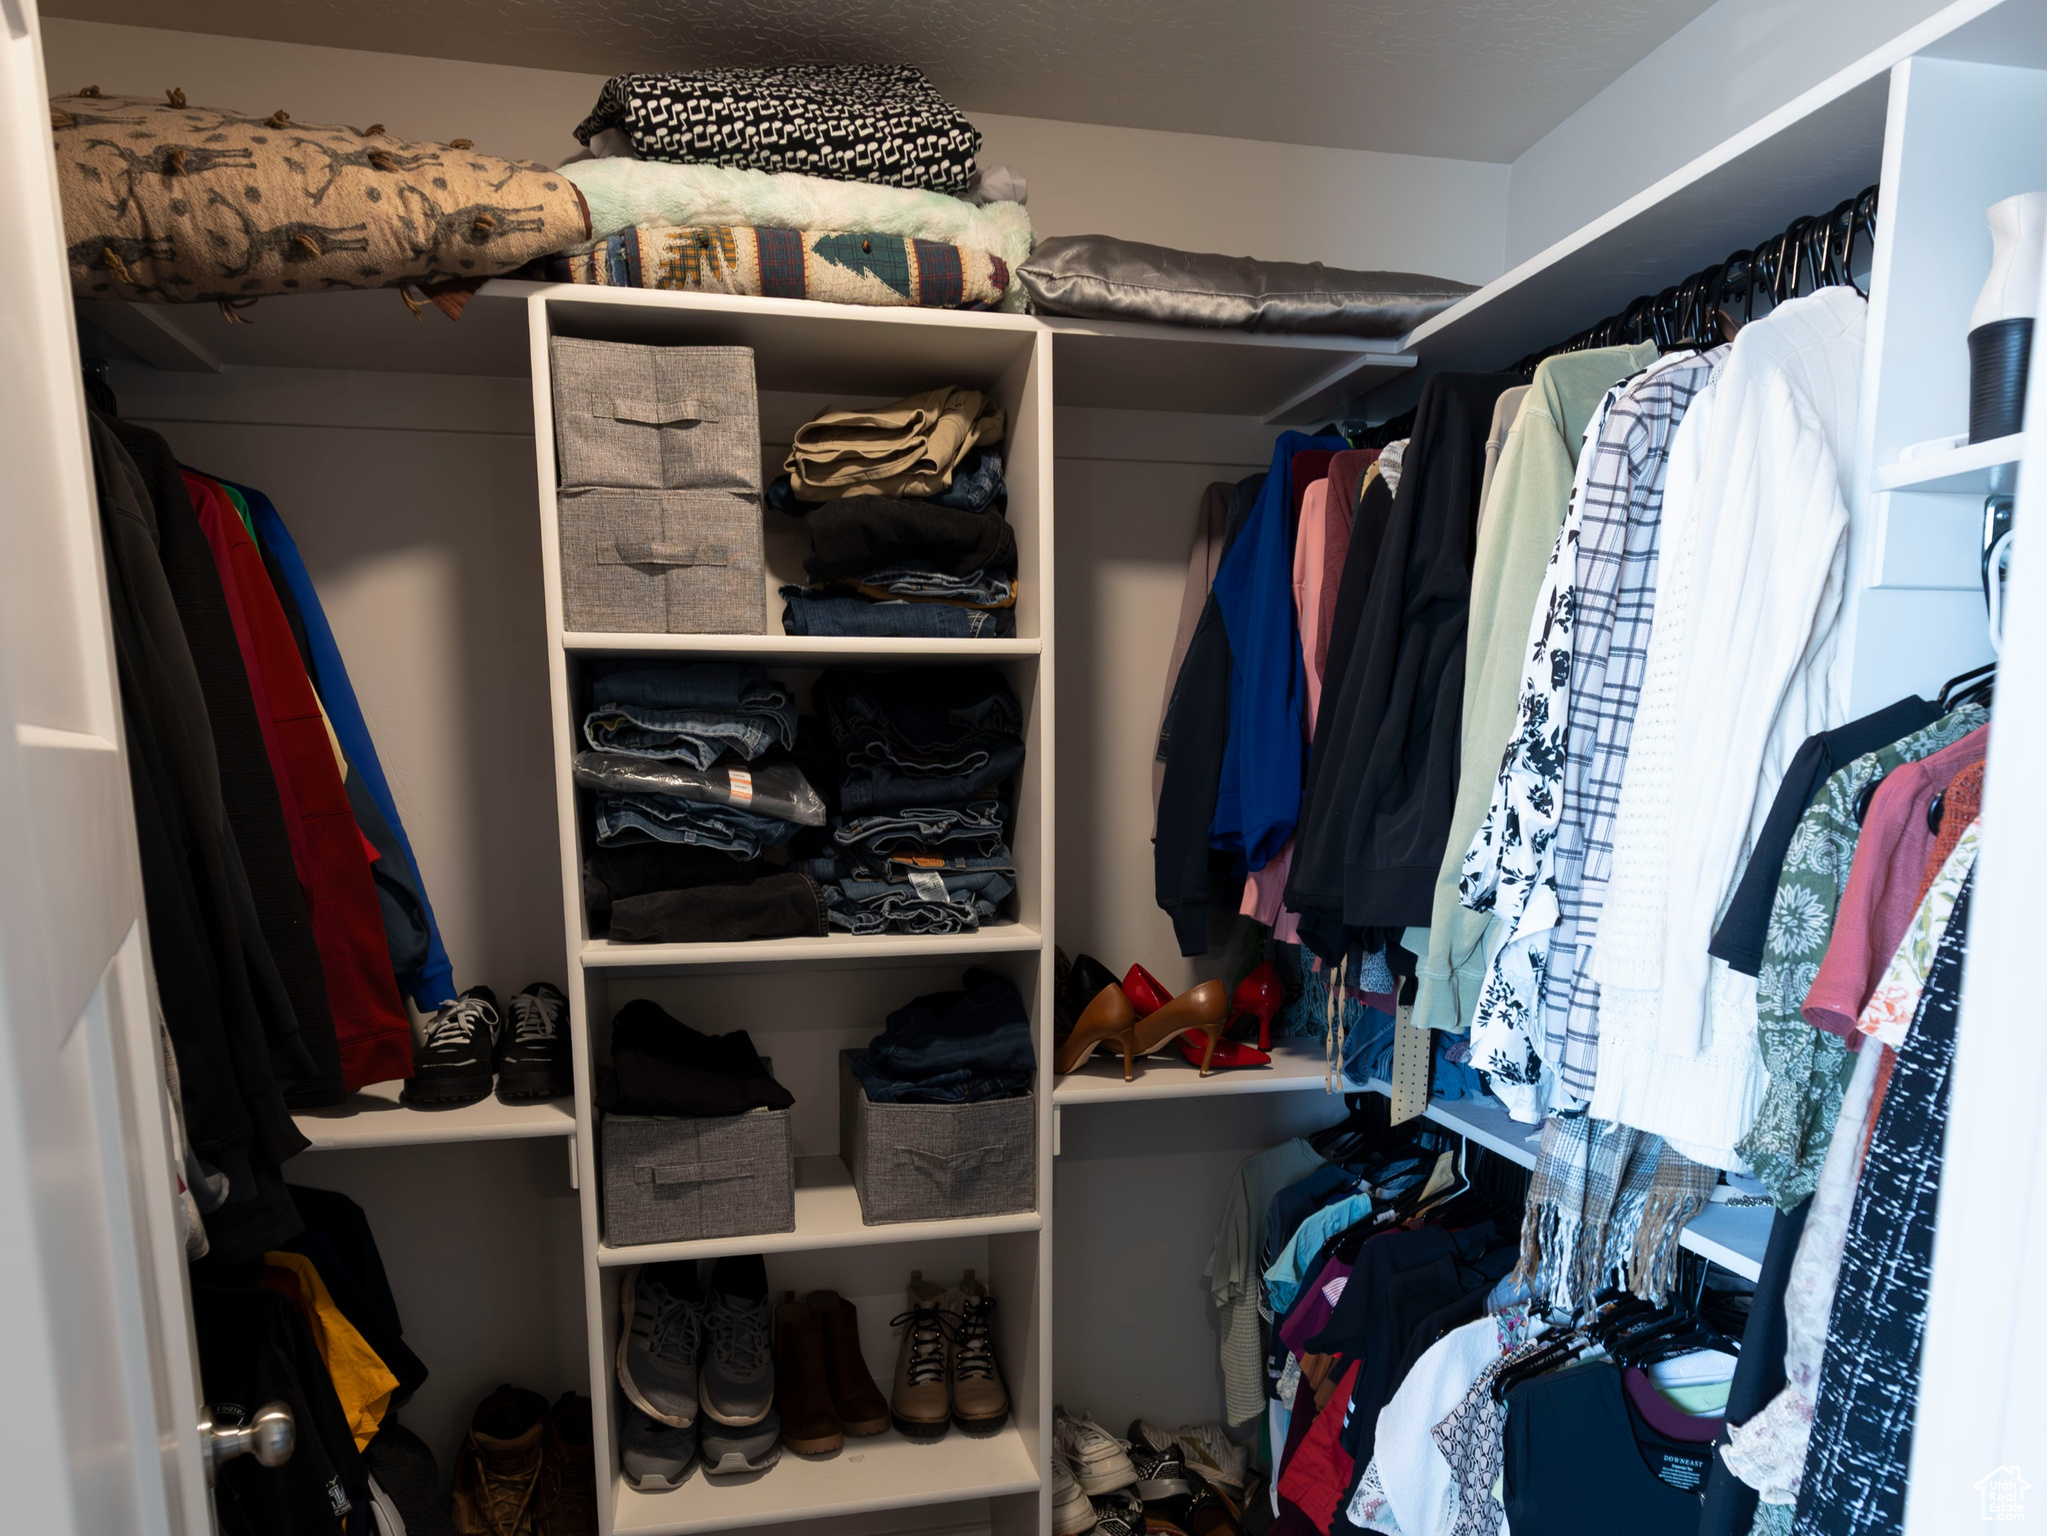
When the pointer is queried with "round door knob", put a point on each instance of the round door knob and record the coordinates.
(269, 1436)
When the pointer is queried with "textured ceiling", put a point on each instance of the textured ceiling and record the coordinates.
(1467, 79)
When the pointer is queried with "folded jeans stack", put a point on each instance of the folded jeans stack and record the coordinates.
(961, 1047)
(675, 760)
(904, 507)
(921, 843)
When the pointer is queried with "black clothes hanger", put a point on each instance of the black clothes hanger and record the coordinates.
(1972, 686)
(1812, 252)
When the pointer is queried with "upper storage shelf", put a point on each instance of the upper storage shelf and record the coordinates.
(1803, 159)
(1282, 379)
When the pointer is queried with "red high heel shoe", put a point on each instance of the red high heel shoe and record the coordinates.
(1260, 996)
(1228, 1053)
(1144, 991)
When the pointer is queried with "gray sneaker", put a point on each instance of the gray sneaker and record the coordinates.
(659, 1340)
(730, 1451)
(655, 1457)
(738, 1385)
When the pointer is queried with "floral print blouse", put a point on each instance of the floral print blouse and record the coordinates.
(1888, 1013)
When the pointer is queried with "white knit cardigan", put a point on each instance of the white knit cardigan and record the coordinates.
(1742, 668)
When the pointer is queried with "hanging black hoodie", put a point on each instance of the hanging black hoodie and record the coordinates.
(1383, 774)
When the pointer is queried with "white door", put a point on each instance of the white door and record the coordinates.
(99, 1411)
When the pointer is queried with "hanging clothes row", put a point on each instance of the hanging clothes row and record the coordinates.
(285, 906)
(1581, 763)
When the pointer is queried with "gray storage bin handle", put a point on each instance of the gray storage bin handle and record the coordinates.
(688, 1173)
(648, 552)
(946, 1168)
(652, 413)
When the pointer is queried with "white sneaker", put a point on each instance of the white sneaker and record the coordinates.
(1208, 1450)
(1072, 1514)
(1100, 1461)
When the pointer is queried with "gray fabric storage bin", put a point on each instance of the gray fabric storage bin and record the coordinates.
(675, 1180)
(655, 418)
(662, 562)
(937, 1162)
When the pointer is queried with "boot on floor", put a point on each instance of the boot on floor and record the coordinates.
(497, 1471)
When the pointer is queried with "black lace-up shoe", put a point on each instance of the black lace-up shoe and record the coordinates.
(451, 1065)
(534, 1061)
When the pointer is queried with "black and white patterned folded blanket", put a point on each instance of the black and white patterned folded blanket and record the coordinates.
(853, 122)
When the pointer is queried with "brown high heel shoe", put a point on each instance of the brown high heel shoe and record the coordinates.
(1102, 1014)
(1205, 1008)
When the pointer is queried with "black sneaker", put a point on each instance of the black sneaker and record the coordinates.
(1161, 1475)
(1119, 1513)
(534, 1063)
(452, 1064)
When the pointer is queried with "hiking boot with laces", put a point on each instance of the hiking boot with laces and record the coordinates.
(534, 1062)
(497, 1471)
(659, 1340)
(1073, 1514)
(737, 1387)
(921, 1404)
(979, 1403)
(451, 1061)
(1100, 1461)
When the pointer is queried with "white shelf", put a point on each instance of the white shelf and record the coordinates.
(803, 650)
(375, 1118)
(835, 949)
(1733, 1237)
(799, 344)
(1295, 1068)
(827, 1216)
(1801, 159)
(1286, 380)
(885, 1471)
(1965, 469)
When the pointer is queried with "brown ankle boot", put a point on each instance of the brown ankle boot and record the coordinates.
(803, 1394)
(497, 1471)
(861, 1408)
(566, 1503)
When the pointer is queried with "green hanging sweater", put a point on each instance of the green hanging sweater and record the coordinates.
(1524, 510)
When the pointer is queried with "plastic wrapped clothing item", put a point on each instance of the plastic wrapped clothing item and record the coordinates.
(769, 789)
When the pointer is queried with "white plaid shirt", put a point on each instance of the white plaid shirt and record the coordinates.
(1616, 601)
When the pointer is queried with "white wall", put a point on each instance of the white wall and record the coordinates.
(1281, 202)
(1737, 62)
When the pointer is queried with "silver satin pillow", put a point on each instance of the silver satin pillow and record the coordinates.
(1100, 277)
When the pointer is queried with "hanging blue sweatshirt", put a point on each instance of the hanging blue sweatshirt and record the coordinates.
(1260, 796)
(433, 983)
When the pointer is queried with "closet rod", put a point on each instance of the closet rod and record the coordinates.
(1811, 253)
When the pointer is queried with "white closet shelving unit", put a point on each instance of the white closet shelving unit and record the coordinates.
(1948, 118)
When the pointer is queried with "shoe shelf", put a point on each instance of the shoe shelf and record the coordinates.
(827, 1216)
(376, 1117)
(886, 1471)
(1297, 1066)
(803, 650)
(834, 949)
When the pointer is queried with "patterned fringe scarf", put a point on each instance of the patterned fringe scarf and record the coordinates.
(1605, 1207)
